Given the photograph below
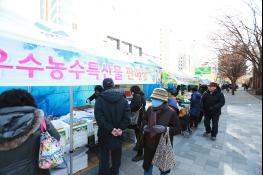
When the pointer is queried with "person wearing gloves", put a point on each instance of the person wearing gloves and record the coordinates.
(20, 134)
(112, 113)
(158, 117)
(98, 89)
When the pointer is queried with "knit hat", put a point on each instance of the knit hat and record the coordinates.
(213, 84)
(108, 83)
(160, 93)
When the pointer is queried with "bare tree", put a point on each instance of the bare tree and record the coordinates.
(248, 36)
(231, 64)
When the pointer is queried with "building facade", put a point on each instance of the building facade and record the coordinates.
(58, 12)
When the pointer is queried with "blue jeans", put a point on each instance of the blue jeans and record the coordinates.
(150, 171)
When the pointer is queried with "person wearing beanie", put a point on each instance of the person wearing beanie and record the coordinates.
(112, 113)
(158, 117)
(211, 103)
(98, 89)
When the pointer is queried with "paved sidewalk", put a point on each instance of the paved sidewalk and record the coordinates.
(237, 150)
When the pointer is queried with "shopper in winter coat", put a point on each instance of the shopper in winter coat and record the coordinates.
(98, 89)
(138, 104)
(202, 89)
(20, 134)
(112, 113)
(159, 114)
(195, 107)
(212, 102)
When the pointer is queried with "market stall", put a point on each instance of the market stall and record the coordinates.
(46, 58)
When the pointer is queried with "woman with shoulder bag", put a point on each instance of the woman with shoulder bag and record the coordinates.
(157, 119)
(20, 134)
(137, 106)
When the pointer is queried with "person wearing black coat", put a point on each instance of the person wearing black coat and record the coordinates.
(98, 89)
(20, 134)
(112, 113)
(138, 103)
(212, 102)
(202, 89)
(195, 107)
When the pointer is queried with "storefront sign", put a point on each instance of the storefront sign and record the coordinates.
(202, 70)
(27, 64)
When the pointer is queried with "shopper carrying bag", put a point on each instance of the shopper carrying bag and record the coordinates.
(51, 150)
(164, 157)
(20, 121)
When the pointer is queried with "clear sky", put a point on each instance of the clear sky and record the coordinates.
(190, 22)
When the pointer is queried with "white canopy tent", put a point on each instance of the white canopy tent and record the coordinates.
(43, 39)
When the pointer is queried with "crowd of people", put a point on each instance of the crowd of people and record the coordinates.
(20, 125)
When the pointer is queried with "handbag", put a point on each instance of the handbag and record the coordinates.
(50, 151)
(164, 157)
(135, 116)
(183, 112)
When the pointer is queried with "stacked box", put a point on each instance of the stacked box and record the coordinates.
(63, 129)
(80, 162)
(80, 132)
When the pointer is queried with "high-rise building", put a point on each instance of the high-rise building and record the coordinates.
(164, 47)
(59, 12)
(184, 63)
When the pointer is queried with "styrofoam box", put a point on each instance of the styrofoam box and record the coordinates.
(63, 129)
(80, 162)
(80, 133)
(90, 129)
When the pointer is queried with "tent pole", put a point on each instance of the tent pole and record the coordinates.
(29, 89)
(71, 129)
(161, 82)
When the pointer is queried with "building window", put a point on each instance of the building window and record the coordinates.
(137, 50)
(74, 26)
(126, 47)
(114, 42)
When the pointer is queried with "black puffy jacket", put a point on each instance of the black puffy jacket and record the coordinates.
(20, 140)
(212, 102)
(138, 102)
(111, 111)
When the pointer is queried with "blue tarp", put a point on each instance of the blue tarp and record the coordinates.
(148, 89)
(55, 100)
